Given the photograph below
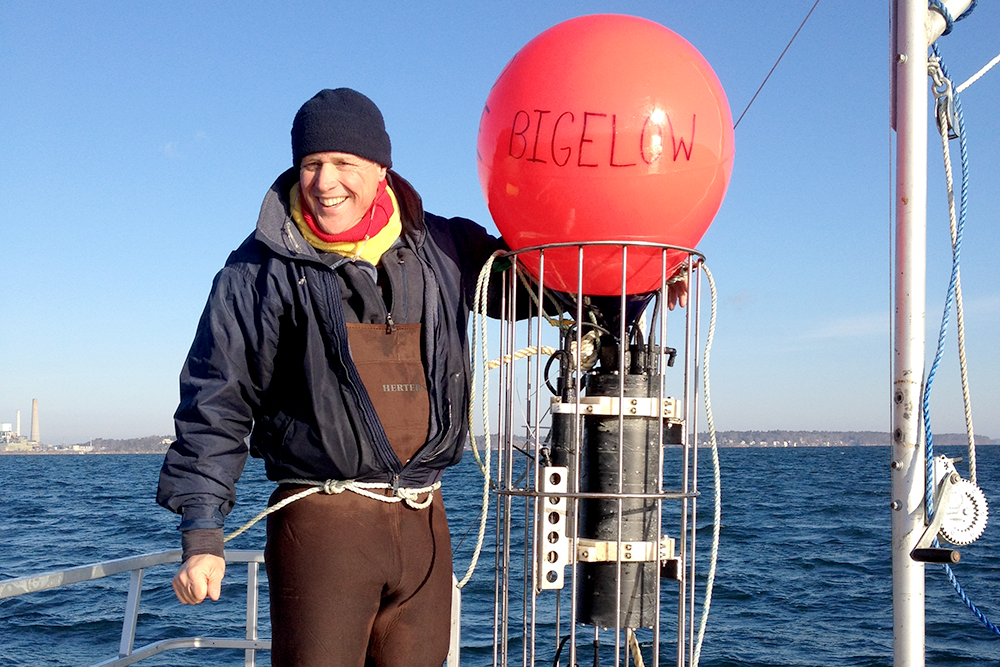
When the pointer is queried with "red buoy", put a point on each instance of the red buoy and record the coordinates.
(605, 128)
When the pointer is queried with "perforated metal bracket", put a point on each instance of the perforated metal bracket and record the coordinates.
(553, 545)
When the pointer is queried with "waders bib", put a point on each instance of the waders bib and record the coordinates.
(355, 581)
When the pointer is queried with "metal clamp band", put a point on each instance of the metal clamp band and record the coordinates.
(602, 551)
(669, 408)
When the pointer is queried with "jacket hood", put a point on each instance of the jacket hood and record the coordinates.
(277, 230)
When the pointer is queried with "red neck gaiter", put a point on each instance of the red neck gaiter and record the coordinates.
(374, 219)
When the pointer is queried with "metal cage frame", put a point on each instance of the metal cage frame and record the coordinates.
(523, 611)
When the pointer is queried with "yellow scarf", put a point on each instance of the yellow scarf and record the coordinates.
(368, 249)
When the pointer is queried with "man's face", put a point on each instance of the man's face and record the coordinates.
(338, 188)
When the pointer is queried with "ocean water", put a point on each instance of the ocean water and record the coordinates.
(804, 575)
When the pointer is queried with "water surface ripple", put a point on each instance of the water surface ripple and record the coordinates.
(804, 575)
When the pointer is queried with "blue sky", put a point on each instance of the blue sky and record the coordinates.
(137, 140)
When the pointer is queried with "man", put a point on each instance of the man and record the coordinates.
(335, 337)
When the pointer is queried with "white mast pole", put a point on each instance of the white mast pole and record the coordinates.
(914, 30)
(909, 103)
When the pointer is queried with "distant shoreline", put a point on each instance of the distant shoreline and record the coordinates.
(732, 439)
(701, 445)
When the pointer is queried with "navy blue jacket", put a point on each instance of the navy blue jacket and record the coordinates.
(270, 359)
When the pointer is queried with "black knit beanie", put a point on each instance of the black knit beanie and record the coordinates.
(341, 120)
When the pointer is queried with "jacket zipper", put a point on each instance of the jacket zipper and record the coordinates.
(385, 449)
(382, 446)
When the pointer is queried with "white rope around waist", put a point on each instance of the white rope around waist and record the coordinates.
(338, 486)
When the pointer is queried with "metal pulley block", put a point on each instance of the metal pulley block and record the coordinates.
(960, 517)
(966, 513)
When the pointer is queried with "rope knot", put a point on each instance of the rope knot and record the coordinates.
(334, 486)
(411, 496)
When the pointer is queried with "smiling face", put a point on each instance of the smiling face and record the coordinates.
(338, 188)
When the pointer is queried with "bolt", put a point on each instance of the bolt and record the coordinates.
(896, 465)
(899, 397)
(898, 435)
(900, 58)
(896, 505)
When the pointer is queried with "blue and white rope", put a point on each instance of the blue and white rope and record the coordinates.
(949, 22)
(938, 71)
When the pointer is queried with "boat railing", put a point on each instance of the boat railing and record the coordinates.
(136, 566)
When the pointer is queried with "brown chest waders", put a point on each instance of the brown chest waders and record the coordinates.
(357, 581)
(389, 361)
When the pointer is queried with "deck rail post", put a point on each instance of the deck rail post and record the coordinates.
(131, 612)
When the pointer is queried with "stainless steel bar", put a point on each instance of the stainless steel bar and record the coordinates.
(508, 434)
(623, 348)
(526, 540)
(48, 580)
(455, 639)
(253, 577)
(55, 579)
(661, 365)
(577, 438)
(694, 308)
(131, 612)
(162, 646)
(506, 317)
(535, 415)
(687, 526)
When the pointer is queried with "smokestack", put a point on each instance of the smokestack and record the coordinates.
(34, 420)
(19, 424)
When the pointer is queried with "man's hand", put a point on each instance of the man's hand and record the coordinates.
(677, 293)
(198, 577)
